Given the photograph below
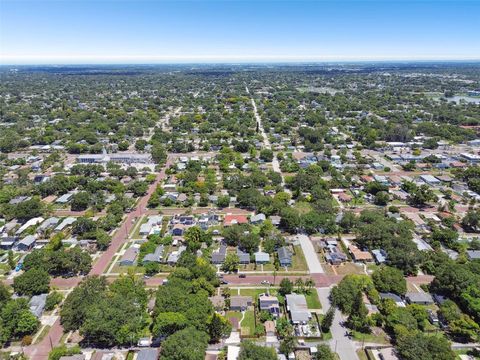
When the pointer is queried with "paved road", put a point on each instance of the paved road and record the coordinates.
(266, 142)
(340, 343)
(310, 255)
(41, 350)
(321, 280)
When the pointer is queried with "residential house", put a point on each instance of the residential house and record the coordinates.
(243, 257)
(218, 302)
(333, 254)
(37, 304)
(156, 256)
(284, 256)
(380, 256)
(147, 354)
(218, 257)
(7, 242)
(65, 198)
(257, 219)
(262, 257)
(419, 298)
(175, 255)
(129, 257)
(27, 243)
(397, 299)
(298, 309)
(473, 254)
(29, 223)
(66, 222)
(359, 255)
(49, 223)
(269, 303)
(240, 303)
(275, 220)
(230, 220)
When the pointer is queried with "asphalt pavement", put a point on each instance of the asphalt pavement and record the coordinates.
(340, 343)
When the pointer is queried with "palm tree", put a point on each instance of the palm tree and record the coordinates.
(309, 283)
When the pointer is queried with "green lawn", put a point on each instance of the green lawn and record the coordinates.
(312, 300)
(233, 314)
(298, 260)
(248, 323)
(255, 292)
(303, 207)
(379, 339)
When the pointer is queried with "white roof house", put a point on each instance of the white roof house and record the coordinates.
(297, 306)
(262, 257)
(66, 222)
(31, 222)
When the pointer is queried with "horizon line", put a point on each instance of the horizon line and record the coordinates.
(12, 60)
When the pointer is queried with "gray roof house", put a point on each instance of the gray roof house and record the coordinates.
(380, 256)
(37, 304)
(175, 255)
(262, 257)
(284, 256)
(6, 243)
(156, 256)
(66, 222)
(26, 243)
(218, 257)
(49, 223)
(419, 298)
(473, 254)
(129, 257)
(258, 218)
(65, 198)
(240, 303)
(269, 303)
(147, 354)
(243, 257)
(397, 299)
(297, 306)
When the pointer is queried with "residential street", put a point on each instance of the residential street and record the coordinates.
(340, 343)
(310, 255)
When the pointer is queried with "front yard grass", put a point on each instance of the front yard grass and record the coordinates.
(248, 323)
(312, 300)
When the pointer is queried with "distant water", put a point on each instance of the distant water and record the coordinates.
(469, 99)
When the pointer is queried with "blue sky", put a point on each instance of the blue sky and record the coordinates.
(149, 31)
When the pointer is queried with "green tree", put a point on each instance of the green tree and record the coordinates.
(231, 263)
(286, 287)
(250, 351)
(327, 320)
(53, 299)
(32, 282)
(80, 301)
(324, 353)
(11, 260)
(168, 323)
(57, 352)
(218, 327)
(358, 320)
(417, 345)
(389, 279)
(186, 344)
(80, 201)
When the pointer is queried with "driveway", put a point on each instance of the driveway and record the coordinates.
(341, 344)
(310, 255)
